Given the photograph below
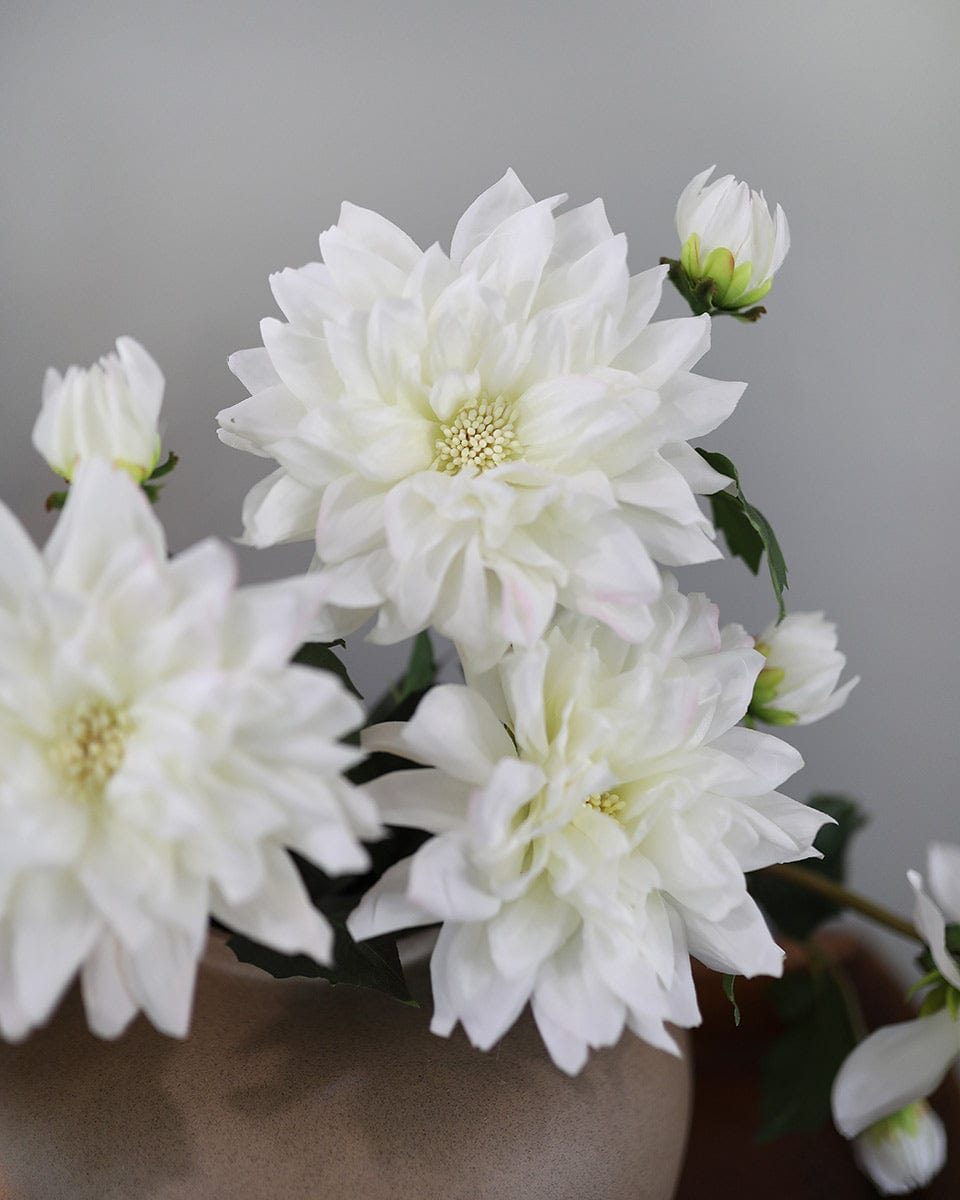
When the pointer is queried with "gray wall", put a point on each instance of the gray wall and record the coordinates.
(158, 160)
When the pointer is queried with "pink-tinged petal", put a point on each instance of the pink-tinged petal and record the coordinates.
(893, 1067)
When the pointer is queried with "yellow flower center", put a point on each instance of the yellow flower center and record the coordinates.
(91, 746)
(481, 436)
(608, 803)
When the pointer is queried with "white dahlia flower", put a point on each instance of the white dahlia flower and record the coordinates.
(728, 235)
(479, 437)
(159, 757)
(903, 1152)
(799, 682)
(109, 410)
(594, 808)
(902, 1063)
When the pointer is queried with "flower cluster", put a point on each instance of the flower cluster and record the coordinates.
(493, 441)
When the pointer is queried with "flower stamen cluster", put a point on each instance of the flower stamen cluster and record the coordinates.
(482, 436)
(91, 746)
(608, 803)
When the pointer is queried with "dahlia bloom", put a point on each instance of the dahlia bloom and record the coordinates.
(594, 810)
(900, 1064)
(109, 410)
(728, 235)
(475, 439)
(799, 682)
(160, 756)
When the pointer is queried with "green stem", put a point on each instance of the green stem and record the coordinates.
(845, 898)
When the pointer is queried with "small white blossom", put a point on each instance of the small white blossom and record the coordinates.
(900, 1064)
(904, 1151)
(728, 235)
(479, 437)
(798, 684)
(159, 757)
(109, 410)
(595, 807)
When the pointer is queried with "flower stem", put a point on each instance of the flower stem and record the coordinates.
(845, 898)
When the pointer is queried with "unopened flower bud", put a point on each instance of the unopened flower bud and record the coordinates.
(728, 236)
(798, 684)
(109, 410)
(904, 1151)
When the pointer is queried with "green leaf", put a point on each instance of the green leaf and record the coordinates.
(792, 909)
(421, 669)
(56, 501)
(320, 655)
(164, 468)
(747, 531)
(374, 964)
(728, 984)
(800, 1066)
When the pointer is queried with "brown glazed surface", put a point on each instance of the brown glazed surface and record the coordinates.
(294, 1090)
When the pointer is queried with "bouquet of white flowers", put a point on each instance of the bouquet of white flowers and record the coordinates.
(494, 443)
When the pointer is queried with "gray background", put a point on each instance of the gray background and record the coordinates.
(159, 160)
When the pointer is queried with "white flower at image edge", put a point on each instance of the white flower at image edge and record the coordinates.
(159, 756)
(900, 1064)
(476, 438)
(904, 1151)
(109, 410)
(800, 681)
(594, 811)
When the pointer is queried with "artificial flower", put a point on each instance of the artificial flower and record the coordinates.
(728, 236)
(798, 684)
(109, 410)
(594, 807)
(475, 438)
(904, 1151)
(900, 1064)
(159, 757)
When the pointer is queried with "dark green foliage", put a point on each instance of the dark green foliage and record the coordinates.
(747, 531)
(792, 909)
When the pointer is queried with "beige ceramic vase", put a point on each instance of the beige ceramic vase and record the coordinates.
(294, 1090)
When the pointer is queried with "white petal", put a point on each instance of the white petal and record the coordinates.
(506, 197)
(457, 731)
(930, 921)
(943, 874)
(893, 1067)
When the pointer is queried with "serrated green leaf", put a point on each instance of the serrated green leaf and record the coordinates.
(373, 964)
(728, 984)
(747, 531)
(320, 655)
(792, 909)
(800, 1066)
